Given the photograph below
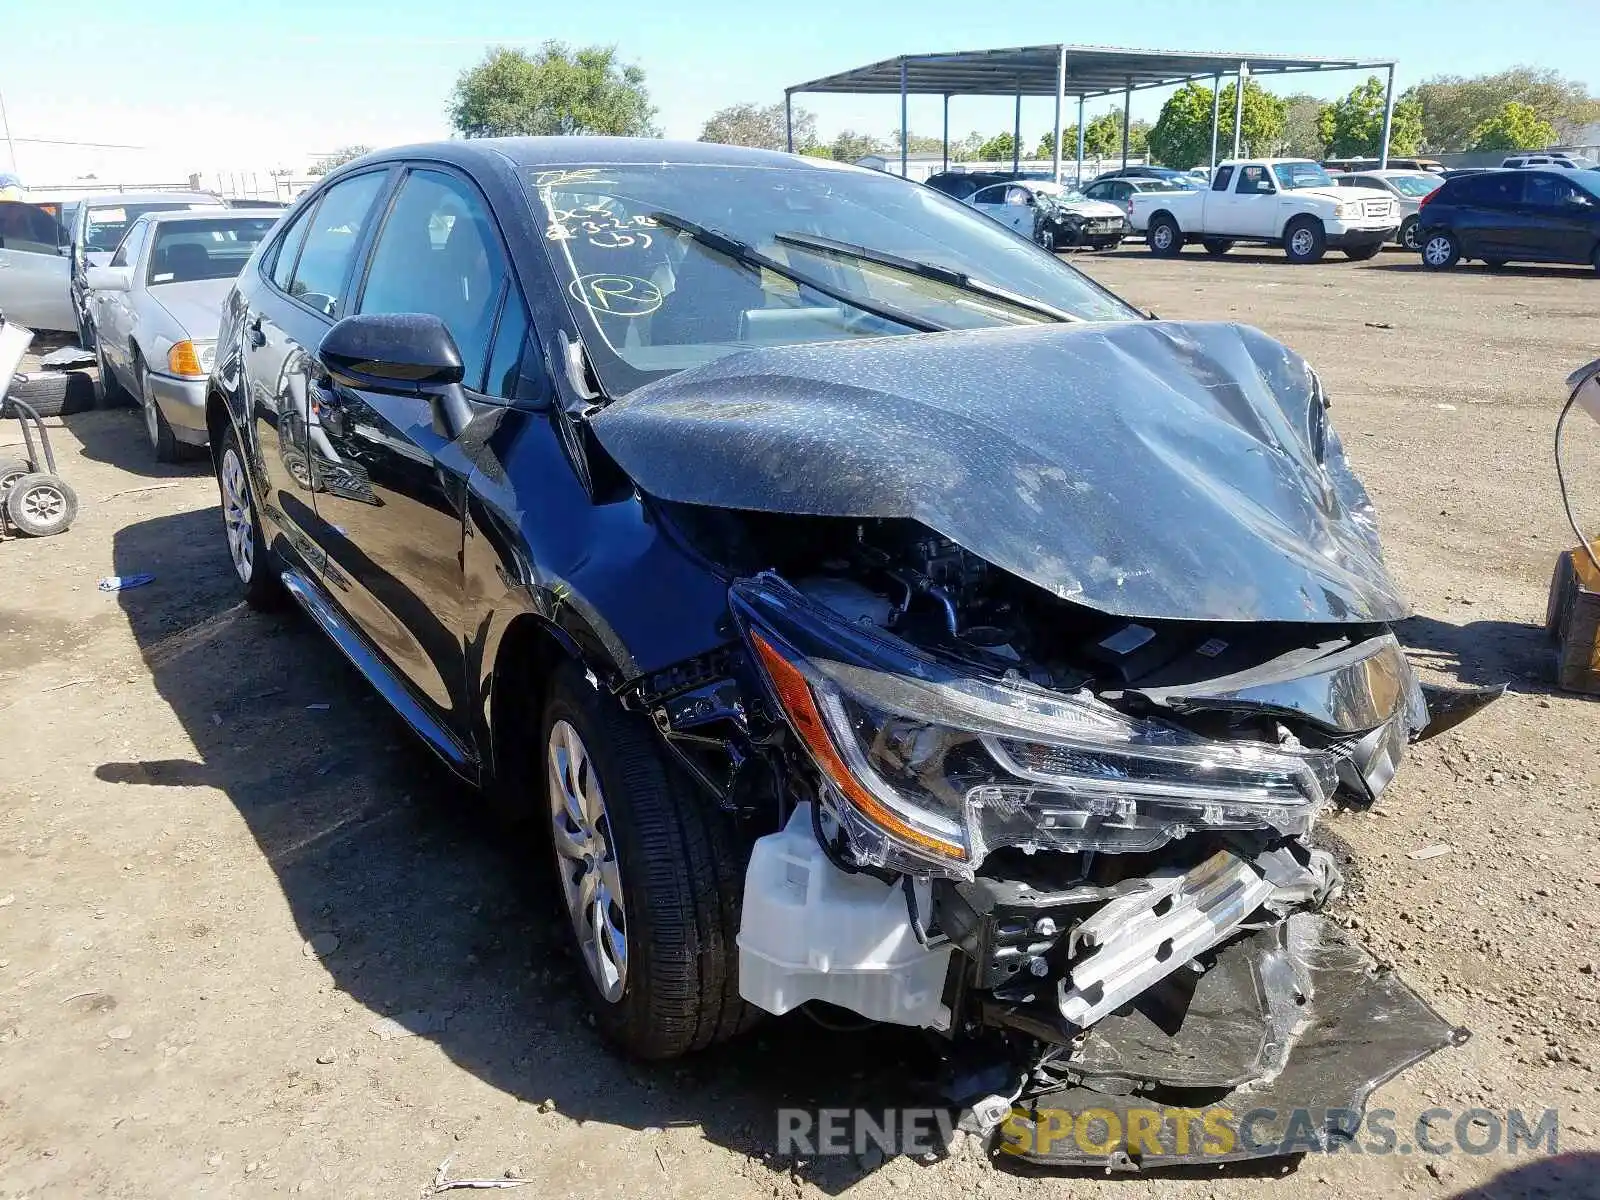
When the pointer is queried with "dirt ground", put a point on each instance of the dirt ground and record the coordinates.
(223, 863)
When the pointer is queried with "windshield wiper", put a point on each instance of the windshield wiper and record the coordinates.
(948, 276)
(748, 255)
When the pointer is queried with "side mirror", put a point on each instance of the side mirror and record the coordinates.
(109, 279)
(410, 353)
(406, 352)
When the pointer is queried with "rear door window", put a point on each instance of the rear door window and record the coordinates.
(1224, 177)
(289, 250)
(1494, 189)
(29, 229)
(332, 237)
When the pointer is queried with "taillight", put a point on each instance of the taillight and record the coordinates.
(1423, 203)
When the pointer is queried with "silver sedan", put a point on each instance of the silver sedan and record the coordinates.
(1407, 187)
(156, 308)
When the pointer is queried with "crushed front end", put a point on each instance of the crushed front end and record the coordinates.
(1076, 845)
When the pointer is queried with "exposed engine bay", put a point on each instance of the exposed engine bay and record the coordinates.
(1075, 844)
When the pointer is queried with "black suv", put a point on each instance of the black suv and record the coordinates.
(864, 606)
(1512, 216)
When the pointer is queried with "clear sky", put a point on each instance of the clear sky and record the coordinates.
(250, 86)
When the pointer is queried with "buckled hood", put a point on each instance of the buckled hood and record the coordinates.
(1148, 469)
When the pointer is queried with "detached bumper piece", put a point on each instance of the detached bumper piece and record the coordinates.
(1272, 1049)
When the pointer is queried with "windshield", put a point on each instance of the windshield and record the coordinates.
(1415, 185)
(104, 224)
(190, 250)
(659, 299)
(1293, 176)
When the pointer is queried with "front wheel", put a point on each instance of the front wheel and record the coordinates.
(1440, 251)
(650, 876)
(1304, 241)
(41, 504)
(1411, 234)
(1363, 253)
(1164, 237)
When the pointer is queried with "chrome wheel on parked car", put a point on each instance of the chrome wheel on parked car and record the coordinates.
(586, 859)
(237, 519)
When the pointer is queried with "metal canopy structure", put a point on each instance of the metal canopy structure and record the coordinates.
(1063, 71)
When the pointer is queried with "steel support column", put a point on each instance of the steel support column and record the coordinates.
(1388, 120)
(1016, 135)
(1061, 98)
(1080, 141)
(946, 131)
(788, 120)
(1238, 106)
(1216, 114)
(1127, 112)
(904, 149)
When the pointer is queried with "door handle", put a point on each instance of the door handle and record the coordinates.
(253, 332)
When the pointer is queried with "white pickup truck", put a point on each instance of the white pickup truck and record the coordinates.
(1286, 202)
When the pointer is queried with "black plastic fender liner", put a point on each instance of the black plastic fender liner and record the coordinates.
(1333, 1027)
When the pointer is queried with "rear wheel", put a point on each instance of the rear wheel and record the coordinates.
(1217, 247)
(253, 560)
(1164, 237)
(1304, 240)
(1440, 251)
(651, 877)
(11, 470)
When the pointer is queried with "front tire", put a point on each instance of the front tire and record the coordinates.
(1440, 251)
(651, 877)
(253, 560)
(1304, 240)
(1165, 239)
(164, 444)
(1411, 234)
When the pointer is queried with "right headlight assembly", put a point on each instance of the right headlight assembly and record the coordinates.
(929, 765)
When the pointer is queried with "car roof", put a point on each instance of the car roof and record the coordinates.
(113, 199)
(586, 151)
(222, 216)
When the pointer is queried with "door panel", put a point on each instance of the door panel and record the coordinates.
(35, 276)
(1559, 218)
(284, 324)
(393, 508)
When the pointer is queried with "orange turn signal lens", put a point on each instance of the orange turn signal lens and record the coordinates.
(183, 359)
(794, 693)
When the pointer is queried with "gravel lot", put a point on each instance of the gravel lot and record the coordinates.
(223, 863)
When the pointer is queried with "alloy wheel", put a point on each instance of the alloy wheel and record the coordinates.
(1302, 242)
(44, 503)
(1438, 250)
(586, 859)
(1161, 237)
(237, 519)
(1409, 238)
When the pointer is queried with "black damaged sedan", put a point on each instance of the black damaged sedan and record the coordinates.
(865, 608)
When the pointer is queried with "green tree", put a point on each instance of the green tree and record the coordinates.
(850, 146)
(759, 126)
(1455, 106)
(1103, 135)
(916, 143)
(556, 90)
(1352, 126)
(1302, 135)
(1069, 143)
(1182, 134)
(338, 158)
(998, 148)
(1515, 127)
(967, 148)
